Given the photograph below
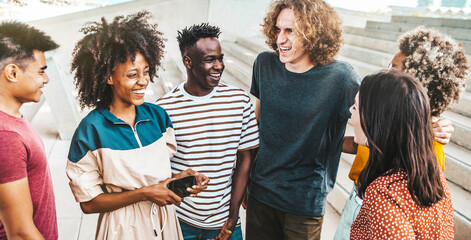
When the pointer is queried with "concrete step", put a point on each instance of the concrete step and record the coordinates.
(436, 23)
(238, 69)
(433, 21)
(357, 38)
(458, 165)
(463, 106)
(229, 79)
(256, 44)
(460, 196)
(391, 35)
(373, 33)
(362, 67)
(379, 45)
(366, 55)
(456, 33)
(462, 125)
(461, 199)
(240, 52)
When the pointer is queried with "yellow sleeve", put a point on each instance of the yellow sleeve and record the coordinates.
(363, 153)
(359, 163)
(439, 153)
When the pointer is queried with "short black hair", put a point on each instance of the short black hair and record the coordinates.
(189, 36)
(105, 45)
(17, 42)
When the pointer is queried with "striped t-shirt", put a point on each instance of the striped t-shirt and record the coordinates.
(209, 131)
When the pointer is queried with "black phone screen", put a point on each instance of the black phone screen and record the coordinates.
(179, 186)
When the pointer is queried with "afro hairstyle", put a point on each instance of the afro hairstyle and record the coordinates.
(108, 44)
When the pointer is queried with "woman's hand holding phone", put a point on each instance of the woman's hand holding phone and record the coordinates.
(160, 194)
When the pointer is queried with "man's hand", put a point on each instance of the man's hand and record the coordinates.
(442, 130)
(225, 233)
(349, 145)
(201, 181)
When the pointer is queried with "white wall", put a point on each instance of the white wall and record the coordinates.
(238, 17)
(170, 15)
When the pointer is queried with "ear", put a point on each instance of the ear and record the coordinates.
(110, 80)
(11, 72)
(187, 62)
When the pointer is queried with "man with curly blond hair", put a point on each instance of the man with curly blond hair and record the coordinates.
(438, 62)
(302, 106)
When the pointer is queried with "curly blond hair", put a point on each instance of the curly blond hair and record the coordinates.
(317, 24)
(438, 62)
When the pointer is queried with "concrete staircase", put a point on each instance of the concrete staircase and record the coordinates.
(369, 50)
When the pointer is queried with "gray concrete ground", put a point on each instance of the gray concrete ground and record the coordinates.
(73, 224)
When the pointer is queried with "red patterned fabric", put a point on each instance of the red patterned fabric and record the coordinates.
(389, 212)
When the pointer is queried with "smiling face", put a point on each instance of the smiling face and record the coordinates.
(207, 65)
(31, 80)
(290, 46)
(360, 137)
(129, 82)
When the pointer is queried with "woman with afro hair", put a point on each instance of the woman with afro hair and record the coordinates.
(119, 158)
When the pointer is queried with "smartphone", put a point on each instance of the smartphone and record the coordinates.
(179, 186)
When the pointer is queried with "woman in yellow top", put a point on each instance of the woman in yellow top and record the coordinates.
(438, 62)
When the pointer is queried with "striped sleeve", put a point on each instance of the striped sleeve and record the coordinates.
(249, 136)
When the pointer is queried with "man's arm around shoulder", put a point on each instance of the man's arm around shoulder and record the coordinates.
(16, 210)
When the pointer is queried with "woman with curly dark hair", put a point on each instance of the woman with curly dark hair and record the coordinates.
(437, 61)
(119, 158)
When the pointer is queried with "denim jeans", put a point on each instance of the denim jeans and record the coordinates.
(349, 213)
(194, 233)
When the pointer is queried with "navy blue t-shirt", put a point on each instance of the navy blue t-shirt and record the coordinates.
(303, 117)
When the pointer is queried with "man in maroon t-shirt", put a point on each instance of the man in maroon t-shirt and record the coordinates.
(27, 208)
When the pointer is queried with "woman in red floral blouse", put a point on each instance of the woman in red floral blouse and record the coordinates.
(405, 195)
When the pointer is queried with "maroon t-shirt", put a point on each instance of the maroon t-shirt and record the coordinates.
(22, 155)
